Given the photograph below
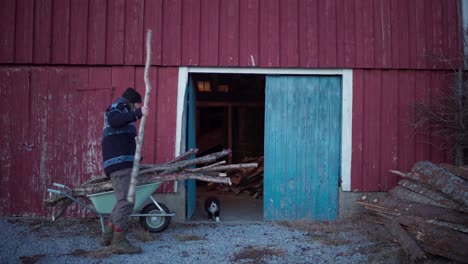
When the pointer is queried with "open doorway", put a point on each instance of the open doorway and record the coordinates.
(230, 114)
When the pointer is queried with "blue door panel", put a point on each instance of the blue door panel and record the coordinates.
(302, 147)
(190, 185)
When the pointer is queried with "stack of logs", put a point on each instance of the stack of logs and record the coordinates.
(427, 212)
(210, 169)
(245, 180)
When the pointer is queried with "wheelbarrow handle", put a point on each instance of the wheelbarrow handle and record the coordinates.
(59, 185)
(54, 191)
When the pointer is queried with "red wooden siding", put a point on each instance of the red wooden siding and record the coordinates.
(382, 136)
(268, 33)
(52, 122)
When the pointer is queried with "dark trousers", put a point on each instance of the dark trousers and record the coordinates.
(123, 208)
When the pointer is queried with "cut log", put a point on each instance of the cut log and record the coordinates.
(416, 209)
(401, 193)
(440, 179)
(439, 240)
(408, 244)
(438, 197)
(457, 171)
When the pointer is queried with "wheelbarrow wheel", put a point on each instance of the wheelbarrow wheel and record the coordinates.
(155, 224)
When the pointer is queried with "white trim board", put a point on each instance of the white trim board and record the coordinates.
(346, 115)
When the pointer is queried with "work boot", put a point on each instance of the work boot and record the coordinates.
(120, 244)
(107, 235)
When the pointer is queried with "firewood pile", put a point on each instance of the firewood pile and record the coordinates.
(181, 168)
(245, 180)
(427, 212)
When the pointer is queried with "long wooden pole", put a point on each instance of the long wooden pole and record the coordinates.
(141, 132)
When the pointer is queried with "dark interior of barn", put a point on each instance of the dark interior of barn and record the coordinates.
(230, 115)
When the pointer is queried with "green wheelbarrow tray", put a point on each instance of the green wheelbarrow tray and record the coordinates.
(104, 202)
(155, 217)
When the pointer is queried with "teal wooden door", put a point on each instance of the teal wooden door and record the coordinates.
(302, 147)
(191, 143)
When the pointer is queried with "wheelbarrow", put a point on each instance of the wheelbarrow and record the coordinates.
(154, 217)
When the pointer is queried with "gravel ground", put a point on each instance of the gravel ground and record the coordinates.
(77, 241)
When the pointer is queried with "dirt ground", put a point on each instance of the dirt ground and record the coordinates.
(76, 241)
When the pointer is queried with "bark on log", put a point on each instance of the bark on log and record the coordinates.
(420, 210)
(432, 194)
(399, 192)
(408, 244)
(457, 171)
(439, 240)
(141, 129)
(440, 179)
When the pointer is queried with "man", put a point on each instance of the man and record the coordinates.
(118, 151)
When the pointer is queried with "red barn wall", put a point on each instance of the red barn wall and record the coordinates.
(398, 34)
(52, 121)
(62, 62)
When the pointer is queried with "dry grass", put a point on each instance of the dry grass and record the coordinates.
(256, 255)
(144, 235)
(186, 238)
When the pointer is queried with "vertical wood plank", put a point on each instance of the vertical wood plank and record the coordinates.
(21, 148)
(78, 31)
(122, 78)
(303, 137)
(42, 31)
(290, 143)
(371, 130)
(289, 32)
(406, 137)
(115, 32)
(40, 120)
(382, 23)
(24, 31)
(229, 33)
(172, 30)
(191, 32)
(429, 20)
(436, 93)
(358, 129)
(312, 128)
(209, 33)
(452, 30)
(166, 101)
(327, 33)
(345, 33)
(389, 135)
(7, 30)
(421, 41)
(422, 93)
(402, 37)
(438, 34)
(60, 31)
(153, 20)
(308, 37)
(96, 52)
(5, 142)
(134, 42)
(365, 34)
(269, 37)
(412, 34)
(270, 177)
(248, 33)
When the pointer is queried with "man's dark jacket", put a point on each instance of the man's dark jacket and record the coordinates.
(118, 136)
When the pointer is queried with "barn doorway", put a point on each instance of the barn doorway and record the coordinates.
(230, 114)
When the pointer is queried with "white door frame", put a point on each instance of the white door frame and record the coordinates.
(346, 114)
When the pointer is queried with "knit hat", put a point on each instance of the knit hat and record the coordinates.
(132, 95)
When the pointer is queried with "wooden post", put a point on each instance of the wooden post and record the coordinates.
(141, 132)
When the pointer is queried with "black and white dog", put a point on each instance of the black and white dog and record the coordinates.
(212, 208)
